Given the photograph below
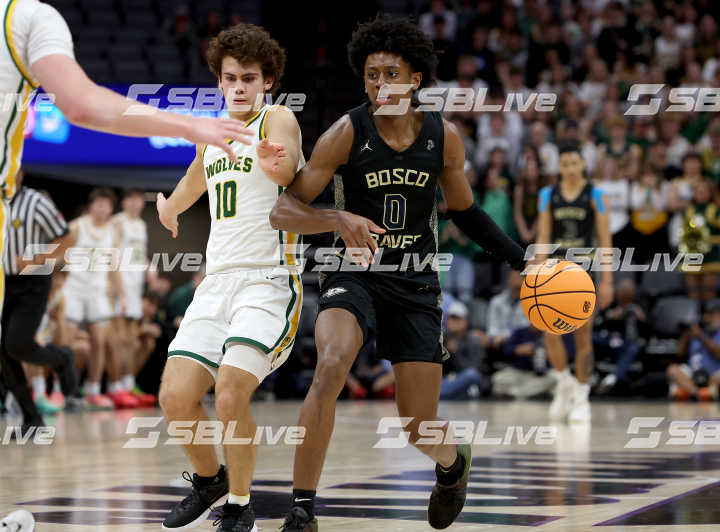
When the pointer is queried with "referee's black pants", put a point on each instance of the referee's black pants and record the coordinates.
(26, 298)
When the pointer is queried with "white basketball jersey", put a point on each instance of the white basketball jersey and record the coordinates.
(133, 247)
(241, 198)
(31, 31)
(94, 246)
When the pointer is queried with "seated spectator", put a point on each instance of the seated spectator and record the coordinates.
(547, 151)
(682, 191)
(370, 378)
(677, 145)
(497, 138)
(505, 313)
(525, 201)
(438, 9)
(703, 214)
(466, 367)
(524, 375)
(621, 329)
(460, 279)
(711, 153)
(496, 203)
(649, 215)
(698, 377)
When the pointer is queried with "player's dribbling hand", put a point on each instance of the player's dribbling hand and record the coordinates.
(356, 231)
(271, 155)
(217, 131)
(169, 221)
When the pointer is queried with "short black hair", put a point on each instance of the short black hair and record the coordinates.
(569, 147)
(397, 36)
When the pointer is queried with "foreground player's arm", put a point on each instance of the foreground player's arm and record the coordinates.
(462, 210)
(602, 227)
(279, 151)
(50, 61)
(292, 212)
(187, 192)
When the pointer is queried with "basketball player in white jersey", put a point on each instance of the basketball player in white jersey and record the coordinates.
(92, 287)
(242, 321)
(38, 51)
(123, 347)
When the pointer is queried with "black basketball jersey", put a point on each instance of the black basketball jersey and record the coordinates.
(573, 222)
(396, 190)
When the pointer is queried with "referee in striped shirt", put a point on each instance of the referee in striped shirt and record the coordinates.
(33, 220)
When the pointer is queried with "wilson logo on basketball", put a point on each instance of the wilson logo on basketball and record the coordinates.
(562, 325)
(586, 306)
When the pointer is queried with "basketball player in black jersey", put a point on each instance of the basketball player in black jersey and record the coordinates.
(572, 213)
(390, 169)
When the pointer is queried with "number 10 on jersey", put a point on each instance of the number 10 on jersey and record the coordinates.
(226, 200)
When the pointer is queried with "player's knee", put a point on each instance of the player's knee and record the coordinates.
(229, 403)
(174, 401)
(331, 371)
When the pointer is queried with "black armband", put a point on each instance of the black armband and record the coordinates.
(482, 230)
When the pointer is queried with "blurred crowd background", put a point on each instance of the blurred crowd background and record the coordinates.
(660, 173)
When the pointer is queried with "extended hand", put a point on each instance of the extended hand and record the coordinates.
(169, 220)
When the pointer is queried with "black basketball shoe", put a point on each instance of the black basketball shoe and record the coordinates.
(195, 508)
(446, 502)
(236, 518)
(298, 520)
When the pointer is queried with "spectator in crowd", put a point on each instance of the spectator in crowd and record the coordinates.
(621, 329)
(524, 373)
(466, 367)
(505, 313)
(484, 57)
(447, 51)
(699, 376)
(438, 10)
(496, 202)
(525, 201)
(547, 151)
(369, 377)
(593, 89)
(677, 145)
(460, 279)
(668, 47)
(616, 188)
(682, 190)
(649, 215)
(150, 329)
(182, 296)
(618, 146)
(711, 152)
(497, 138)
(703, 214)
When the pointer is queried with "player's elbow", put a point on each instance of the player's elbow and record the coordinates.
(275, 214)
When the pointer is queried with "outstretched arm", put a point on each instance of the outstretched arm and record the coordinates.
(292, 212)
(187, 192)
(462, 210)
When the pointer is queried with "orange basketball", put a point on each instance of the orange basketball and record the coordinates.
(557, 296)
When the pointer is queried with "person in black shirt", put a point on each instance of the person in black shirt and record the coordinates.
(390, 166)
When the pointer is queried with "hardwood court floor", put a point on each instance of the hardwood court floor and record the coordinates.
(585, 480)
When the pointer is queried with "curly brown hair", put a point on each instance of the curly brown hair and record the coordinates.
(248, 43)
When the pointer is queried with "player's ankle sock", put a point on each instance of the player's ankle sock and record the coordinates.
(115, 387)
(38, 387)
(206, 481)
(449, 476)
(305, 499)
(128, 382)
(92, 388)
(242, 500)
